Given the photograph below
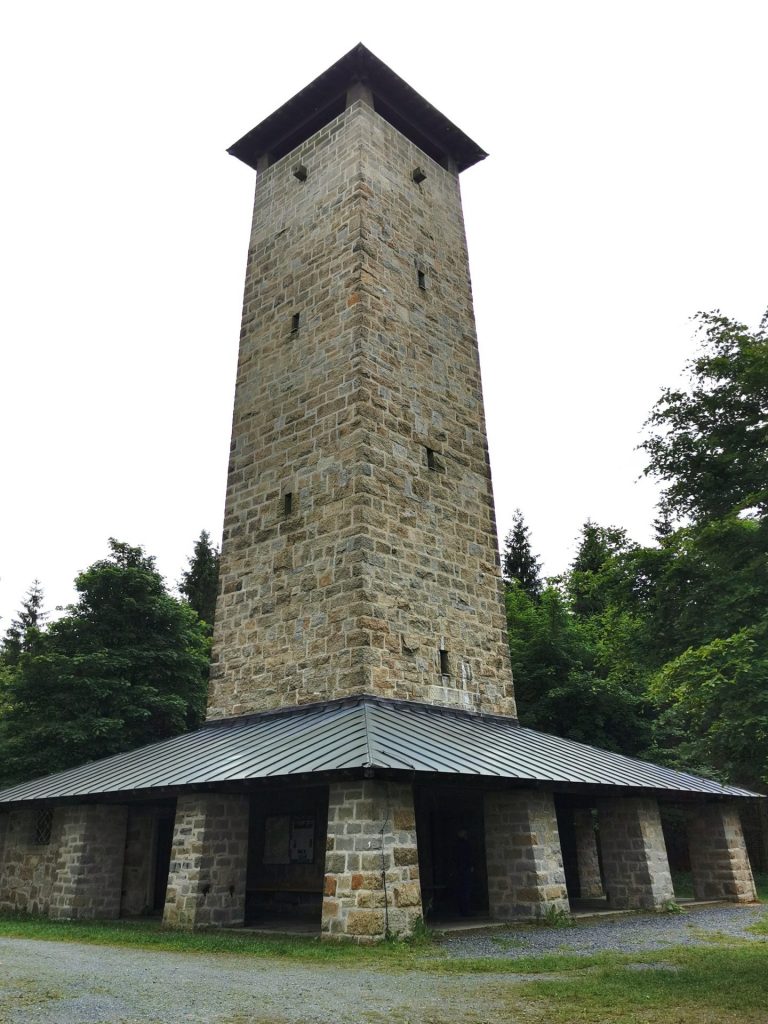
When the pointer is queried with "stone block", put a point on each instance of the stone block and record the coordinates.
(366, 922)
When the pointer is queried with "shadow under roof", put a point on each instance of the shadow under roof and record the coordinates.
(364, 736)
(325, 98)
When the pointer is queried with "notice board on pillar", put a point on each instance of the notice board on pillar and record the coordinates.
(289, 839)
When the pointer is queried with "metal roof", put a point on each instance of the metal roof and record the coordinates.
(363, 734)
(325, 98)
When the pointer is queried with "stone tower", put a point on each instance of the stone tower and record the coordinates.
(360, 552)
(344, 778)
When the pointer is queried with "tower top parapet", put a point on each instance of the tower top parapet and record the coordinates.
(358, 74)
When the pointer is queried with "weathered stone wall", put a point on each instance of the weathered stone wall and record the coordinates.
(635, 865)
(206, 882)
(27, 869)
(372, 865)
(387, 554)
(522, 848)
(89, 862)
(587, 860)
(719, 861)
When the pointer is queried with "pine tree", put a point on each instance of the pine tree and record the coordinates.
(20, 634)
(519, 562)
(597, 545)
(200, 583)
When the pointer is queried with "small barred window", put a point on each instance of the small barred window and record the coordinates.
(43, 826)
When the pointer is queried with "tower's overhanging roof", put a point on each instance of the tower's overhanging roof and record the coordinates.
(365, 735)
(325, 98)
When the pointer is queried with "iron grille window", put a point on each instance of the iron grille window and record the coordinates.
(43, 826)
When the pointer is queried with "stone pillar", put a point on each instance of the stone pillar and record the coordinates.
(522, 849)
(588, 862)
(635, 866)
(209, 860)
(88, 869)
(719, 861)
(371, 865)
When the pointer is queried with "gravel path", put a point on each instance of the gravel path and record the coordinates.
(621, 934)
(67, 983)
(63, 983)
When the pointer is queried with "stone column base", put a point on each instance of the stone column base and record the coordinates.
(635, 865)
(524, 860)
(719, 860)
(588, 862)
(88, 873)
(209, 859)
(372, 864)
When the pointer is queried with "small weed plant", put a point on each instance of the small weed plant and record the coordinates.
(555, 917)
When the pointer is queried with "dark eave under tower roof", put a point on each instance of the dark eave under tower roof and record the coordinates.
(326, 97)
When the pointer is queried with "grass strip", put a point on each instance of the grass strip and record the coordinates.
(688, 985)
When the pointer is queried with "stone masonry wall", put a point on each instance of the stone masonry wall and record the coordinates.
(433, 570)
(719, 860)
(369, 415)
(522, 848)
(89, 862)
(588, 862)
(635, 865)
(27, 869)
(372, 865)
(209, 859)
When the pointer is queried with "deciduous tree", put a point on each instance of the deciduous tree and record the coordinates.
(127, 665)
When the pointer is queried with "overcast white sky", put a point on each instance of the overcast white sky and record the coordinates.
(625, 189)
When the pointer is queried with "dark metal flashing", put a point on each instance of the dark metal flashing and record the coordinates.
(360, 737)
(326, 97)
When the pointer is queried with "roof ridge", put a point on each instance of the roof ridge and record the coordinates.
(368, 725)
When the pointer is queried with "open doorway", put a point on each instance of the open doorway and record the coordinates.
(450, 828)
(162, 859)
(148, 842)
(286, 859)
(578, 827)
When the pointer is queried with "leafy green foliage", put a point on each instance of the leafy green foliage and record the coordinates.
(716, 697)
(125, 666)
(585, 582)
(565, 681)
(709, 443)
(663, 650)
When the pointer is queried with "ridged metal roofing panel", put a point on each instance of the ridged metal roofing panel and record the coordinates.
(359, 734)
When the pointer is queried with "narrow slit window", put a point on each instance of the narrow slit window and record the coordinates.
(295, 321)
(287, 503)
(444, 667)
(431, 464)
(422, 277)
(43, 827)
